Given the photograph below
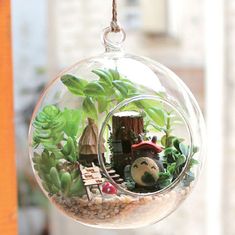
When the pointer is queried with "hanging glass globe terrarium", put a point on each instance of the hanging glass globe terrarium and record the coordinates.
(116, 141)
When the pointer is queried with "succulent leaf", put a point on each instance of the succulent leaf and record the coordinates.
(75, 85)
(77, 187)
(55, 177)
(65, 182)
(48, 124)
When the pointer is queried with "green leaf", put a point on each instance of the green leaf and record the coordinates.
(72, 149)
(104, 76)
(102, 104)
(115, 74)
(50, 110)
(36, 157)
(168, 141)
(171, 168)
(164, 175)
(73, 121)
(180, 160)
(184, 149)
(77, 187)
(164, 183)
(164, 179)
(94, 89)
(74, 173)
(54, 189)
(193, 162)
(89, 107)
(55, 178)
(65, 182)
(195, 149)
(118, 95)
(157, 115)
(163, 140)
(145, 104)
(176, 143)
(66, 151)
(121, 86)
(129, 85)
(74, 85)
(49, 124)
(168, 151)
(109, 90)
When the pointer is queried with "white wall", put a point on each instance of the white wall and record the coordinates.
(29, 33)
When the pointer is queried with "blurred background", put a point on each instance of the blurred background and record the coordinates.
(196, 39)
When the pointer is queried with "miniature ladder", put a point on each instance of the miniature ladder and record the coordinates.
(91, 176)
(116, 177)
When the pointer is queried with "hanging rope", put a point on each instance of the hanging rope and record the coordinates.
(114, 24)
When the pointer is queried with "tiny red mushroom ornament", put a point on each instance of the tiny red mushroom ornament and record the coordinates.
(108, 188)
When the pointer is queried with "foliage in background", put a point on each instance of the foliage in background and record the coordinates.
(28, 192)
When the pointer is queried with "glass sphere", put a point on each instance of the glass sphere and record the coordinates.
(117, 141)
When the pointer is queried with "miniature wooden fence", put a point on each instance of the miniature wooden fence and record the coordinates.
(8, 202)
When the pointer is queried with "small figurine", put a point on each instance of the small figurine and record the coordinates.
(108, 188)
(149, 149)
(88, 143)
(144, 171)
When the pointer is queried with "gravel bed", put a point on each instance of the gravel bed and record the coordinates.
(120, 210)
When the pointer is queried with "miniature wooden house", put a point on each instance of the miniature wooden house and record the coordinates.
(88, 151)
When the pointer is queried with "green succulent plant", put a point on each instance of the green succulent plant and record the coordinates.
(43, 163)
(56, 179)
(55, 132)
(49, 125)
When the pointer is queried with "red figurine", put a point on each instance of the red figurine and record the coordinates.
(108, 188)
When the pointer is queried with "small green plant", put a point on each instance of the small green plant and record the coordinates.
(100, 95)
(49, 125)
(56, 133)
(56, 177)
(174, 160)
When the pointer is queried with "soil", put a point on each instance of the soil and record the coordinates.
(120, 211)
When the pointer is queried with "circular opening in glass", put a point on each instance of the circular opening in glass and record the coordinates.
(149, 145)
